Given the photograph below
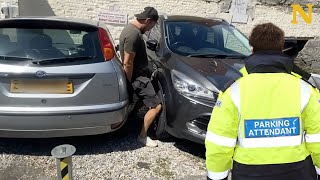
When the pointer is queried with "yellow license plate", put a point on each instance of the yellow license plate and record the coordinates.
(41, 86)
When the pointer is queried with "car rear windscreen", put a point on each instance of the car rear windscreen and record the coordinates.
(38, 41)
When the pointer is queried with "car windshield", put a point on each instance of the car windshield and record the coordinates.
(22, 44)
(205, 37)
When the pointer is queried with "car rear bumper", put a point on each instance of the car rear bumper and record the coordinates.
(62, 122)
(40, 111)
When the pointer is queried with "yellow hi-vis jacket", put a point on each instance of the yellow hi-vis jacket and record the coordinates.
(263, 118)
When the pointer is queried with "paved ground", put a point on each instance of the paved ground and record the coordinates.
(110, 156)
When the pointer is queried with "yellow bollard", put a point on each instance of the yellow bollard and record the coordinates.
(63, 155)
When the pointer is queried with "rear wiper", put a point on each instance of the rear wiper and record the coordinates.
(230, 56)
(60, 59)
(3, 57)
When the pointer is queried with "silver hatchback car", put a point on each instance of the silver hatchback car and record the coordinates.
(59, 77)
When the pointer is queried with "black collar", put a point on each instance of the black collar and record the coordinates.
(269, 62)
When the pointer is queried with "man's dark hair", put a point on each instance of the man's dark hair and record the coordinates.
(267, 37)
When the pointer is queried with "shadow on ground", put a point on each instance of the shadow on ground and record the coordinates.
(191, 147)
(123, 140)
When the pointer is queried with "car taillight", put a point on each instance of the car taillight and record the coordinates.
(106, 46)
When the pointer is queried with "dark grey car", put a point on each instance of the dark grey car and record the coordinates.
(59, 77)
(192, 59)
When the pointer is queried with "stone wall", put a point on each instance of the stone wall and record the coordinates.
(309, 57)
(276, 11)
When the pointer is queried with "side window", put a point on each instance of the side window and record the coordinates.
(210, 37)
(64, 37)
(11, 33)
(8, 40)
(155, 33)
(177, 30)
(77, 37)
(146, 35)
(68, 40)
(233, 43)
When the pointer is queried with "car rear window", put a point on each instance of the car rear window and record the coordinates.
(42, 41)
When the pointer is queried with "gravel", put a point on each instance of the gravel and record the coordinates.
(112, 156)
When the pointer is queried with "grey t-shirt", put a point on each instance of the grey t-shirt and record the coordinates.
(131, 41)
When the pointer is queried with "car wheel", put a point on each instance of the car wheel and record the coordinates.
(160, 123)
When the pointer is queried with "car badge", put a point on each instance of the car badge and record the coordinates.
(41, 74)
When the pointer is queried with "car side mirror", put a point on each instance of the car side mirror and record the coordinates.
(152, 45)
(290, 47)
(117, 47)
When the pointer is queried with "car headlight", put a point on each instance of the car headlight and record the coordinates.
(188, 87)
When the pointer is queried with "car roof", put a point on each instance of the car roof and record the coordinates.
(192, 18)
(56, 19)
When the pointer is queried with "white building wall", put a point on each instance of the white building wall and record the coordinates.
(88, 9)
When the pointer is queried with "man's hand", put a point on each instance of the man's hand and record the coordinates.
(128, 64)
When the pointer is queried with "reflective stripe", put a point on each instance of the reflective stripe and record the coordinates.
(305, 92)
(270, 142)
(317, 169)
(217, 175)
(220, 140)
(311, 138)
(235, 95)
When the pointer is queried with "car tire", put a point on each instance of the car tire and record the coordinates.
(160, 122)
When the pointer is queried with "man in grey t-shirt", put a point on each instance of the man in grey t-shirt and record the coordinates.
(135, 63)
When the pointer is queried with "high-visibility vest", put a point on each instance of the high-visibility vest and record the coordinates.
(263, 118)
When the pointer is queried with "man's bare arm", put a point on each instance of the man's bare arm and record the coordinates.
(128, 64)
